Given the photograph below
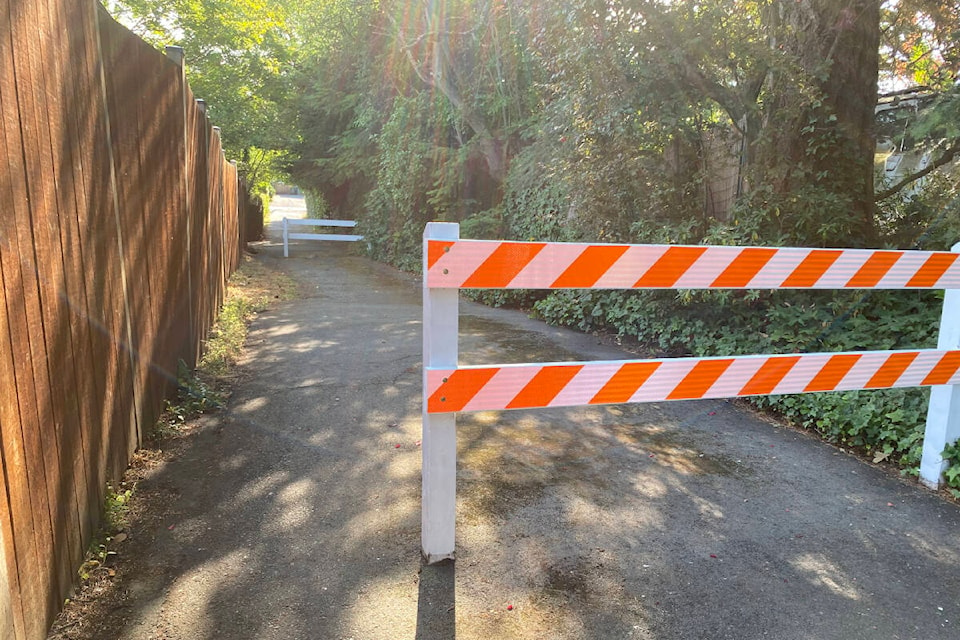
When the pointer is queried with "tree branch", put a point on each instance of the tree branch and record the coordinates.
(947, 157)
(727, 99)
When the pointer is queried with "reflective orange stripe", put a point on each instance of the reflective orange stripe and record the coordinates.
(544, 386)
(935, 266)
(744, 267)
(503, 265)
(873, 270)
(700, 379)
(625, 382)
(769, 376)
(436, 249)
(459, 389)
(589, 266)
(891, 370)
(670, 267)
(812, 268)
(832, 373)
(944, 370)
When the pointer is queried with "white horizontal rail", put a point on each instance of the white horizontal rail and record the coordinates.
(312, 222)
(336, 237)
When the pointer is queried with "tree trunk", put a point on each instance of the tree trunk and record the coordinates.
(851, 93)
(818, 129)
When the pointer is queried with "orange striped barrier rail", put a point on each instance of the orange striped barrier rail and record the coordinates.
(572, 384)
(451, 264)
(485, 264)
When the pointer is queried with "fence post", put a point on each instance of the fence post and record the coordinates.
(286, 240)
(177, 55)
(439, 439)
(943, 412)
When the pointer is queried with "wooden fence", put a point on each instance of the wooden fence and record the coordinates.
(120, 221)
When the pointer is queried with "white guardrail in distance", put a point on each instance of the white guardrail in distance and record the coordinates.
(451, 264)
(310, 222)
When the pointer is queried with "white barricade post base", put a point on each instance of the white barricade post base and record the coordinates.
(943, 412)
(439, 440)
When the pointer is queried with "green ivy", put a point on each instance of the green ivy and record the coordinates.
(952, 455)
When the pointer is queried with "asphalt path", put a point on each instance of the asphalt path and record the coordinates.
(295, 512)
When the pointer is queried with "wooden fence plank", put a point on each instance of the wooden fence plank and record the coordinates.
(199, 225)
(159, 115)
(74, 78)
(170, 144)
(6, 606)
(66, 299)
(110, 280)
(26, 324)
(47, 203)
(20, 545)
(124, 78)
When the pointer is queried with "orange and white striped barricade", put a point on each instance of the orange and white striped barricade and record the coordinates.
(451, 264)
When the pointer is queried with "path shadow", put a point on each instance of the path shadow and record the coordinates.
(437, 601)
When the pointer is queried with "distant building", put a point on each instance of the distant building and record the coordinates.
(898, 154)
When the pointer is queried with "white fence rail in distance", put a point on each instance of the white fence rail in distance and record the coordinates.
(309, 222)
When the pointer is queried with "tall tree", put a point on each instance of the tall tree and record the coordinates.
(239, 55)
(470, 52)
(798, 79)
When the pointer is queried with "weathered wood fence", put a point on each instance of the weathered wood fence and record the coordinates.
(120, 221)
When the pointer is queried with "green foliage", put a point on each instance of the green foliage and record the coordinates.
(195, 396)
(116, 509)
(398, 207)
(262, 167)
(317, 207)
(225, 342)
(239, 56)
(951, 454)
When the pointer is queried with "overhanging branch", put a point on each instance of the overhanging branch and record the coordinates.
(948, 155)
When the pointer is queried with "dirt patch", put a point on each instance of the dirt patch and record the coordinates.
(97, 609)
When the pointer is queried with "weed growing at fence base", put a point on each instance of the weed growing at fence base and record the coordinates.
(251, 289)
(116, 507)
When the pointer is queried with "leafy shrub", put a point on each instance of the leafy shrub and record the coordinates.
(952, 455)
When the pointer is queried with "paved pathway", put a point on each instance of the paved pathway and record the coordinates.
(294, 514)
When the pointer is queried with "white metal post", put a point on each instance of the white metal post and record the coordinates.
(286, 240)
(439, 440)
(943, 413)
